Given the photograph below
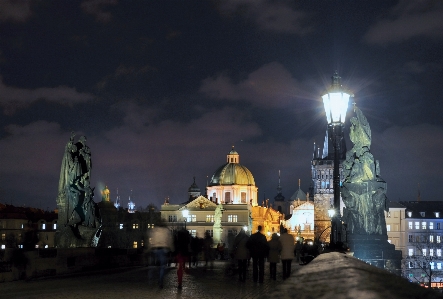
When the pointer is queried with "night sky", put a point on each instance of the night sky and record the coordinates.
(163, 89)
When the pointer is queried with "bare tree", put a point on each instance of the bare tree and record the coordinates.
(424, 261)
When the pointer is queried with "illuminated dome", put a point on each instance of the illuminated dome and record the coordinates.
(232, 173)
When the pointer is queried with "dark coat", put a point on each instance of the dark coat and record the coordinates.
(240, 250)
(258, 245)
(274, 250)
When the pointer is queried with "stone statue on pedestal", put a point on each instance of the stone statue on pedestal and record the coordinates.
(364, 195)
(79, 220)
(217, 228)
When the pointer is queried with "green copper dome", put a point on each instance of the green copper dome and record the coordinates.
(232, 173)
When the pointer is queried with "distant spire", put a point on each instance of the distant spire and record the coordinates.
(314, 156)
(299, 183)
(325, 146)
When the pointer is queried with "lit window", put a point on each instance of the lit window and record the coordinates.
(3, 246)
(409, 214)
(410, 251)
(410, 225)
(432, 265)
(134, 245)
(3, 237)
(193, 218)
(232, 218)
(389, 241)
(423, 225)
(193, 232)
(388, 227)
(54, 226)
(135, 226)
(438, 239)
(172, 218)
(43, 225)
(431, 225)
(411, 264)
(20, 246)
(417, 225)
(424, 251)
(121, 226)
(388, 214)
(209, 218)
(21, 227)
(431, 252)
(438, 252)
(431, 239)
(439, 266)
(437, 214)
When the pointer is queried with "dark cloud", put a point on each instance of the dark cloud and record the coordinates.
(12, 98)
(15, 10)
(407, 20)
(98, 9)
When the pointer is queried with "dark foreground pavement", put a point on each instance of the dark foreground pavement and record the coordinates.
(142, 282)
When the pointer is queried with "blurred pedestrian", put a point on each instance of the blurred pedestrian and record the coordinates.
(196, 247)
(274, 255)
(258, 248)
(182, 245)
(241, 253)
(287, 253)
(161, 243)
(208, 250)
(298, 251)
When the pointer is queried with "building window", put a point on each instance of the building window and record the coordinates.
(232, 218)
(134, 245)
(431, 252)
(422, 214)
(432, 265)
(192, 218)
(193, 232)
(423, 225)
(410, 251)
(3, 237)
(243, 197)
(21, 226)
(135, 226)
(417, 225)
(438, 239)
(410, 238)
(227, 197)
(121, 225)
(3, 246)
(54, 226)
(431, 225)
(439, 252)
(410, 225)
(424, 251)
(388, 227)
(439, 266)
(411, 264)
(172, 218)
(388, 214)
(43, 226)
(438, 225)
(431, 239)
(409, 214)
(437, 214)
(210, 232)
(209, 218)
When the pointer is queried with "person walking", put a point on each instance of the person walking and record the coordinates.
(258, 248)
(241, 253)
(182, 244)
(208, 250)
(287, 253)
(274, 255)
(161, 244)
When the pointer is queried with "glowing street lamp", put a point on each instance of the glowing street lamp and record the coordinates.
(185, 214)
(336, 101)
(245, 228)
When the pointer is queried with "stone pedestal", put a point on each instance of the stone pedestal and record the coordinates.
(376, 250)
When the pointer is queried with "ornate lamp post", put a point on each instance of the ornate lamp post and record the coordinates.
(185, 214)
(336, 101)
